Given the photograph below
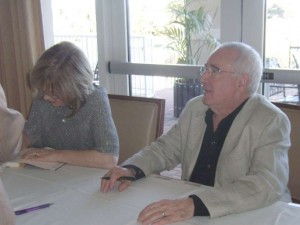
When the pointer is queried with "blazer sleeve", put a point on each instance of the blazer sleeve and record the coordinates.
(180, 144)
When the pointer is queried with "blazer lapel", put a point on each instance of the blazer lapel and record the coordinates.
(237, 126)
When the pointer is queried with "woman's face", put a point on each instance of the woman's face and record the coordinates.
(53, 98)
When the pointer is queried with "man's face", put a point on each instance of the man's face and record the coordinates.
(221, 85)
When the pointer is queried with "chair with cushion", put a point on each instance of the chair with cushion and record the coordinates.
(139, 121)
(293, 113)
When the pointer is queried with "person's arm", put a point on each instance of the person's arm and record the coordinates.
(87, 158)
(102, 126)
(7, 216)
(136, 172)
(11, 127)
(162, 154)
(266, 170)
(114, 174)
(170, 149)
(199, 208)
(101, 132)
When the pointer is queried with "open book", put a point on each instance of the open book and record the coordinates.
(19, 162)
(43, 165)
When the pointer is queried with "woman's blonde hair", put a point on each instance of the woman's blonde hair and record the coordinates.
(63, 69)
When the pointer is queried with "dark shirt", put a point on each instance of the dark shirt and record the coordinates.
(205, 168)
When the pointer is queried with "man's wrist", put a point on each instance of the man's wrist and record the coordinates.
(132, 171)
(138, 173)
(200, 209)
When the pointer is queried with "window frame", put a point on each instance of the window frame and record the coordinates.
(237, 24)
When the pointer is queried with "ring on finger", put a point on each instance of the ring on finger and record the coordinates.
(163, 214)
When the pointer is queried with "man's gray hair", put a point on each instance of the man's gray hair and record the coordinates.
(248, 62)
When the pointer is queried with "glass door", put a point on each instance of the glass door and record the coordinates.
(171, 32)
(282, 50)
(75, 21)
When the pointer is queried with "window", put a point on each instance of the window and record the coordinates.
(75, 21)
(121, 26)
(171, 32)
(282, 50)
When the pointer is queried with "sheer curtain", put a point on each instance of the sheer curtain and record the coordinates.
(21, 43)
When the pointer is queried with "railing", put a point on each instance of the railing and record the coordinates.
(149, 50)
(88, 44)
(143, 50)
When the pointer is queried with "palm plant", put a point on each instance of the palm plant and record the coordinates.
(189, 31)
(190, 36)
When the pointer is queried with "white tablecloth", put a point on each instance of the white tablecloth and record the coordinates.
(75, 192)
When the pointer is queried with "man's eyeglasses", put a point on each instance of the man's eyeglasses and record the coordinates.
(213, 70)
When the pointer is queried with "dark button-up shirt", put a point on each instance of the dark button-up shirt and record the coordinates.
(205, 168)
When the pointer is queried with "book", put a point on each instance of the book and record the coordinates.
(41, 164)
(19, 162)
(23, 162)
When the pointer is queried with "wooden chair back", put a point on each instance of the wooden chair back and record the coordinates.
(139, 121)
(293, 113)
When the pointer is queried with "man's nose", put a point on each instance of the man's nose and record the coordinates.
(203, 77)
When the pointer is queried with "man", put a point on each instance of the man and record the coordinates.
(11, 128)
(232, 139)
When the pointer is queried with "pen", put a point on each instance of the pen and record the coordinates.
(121, 178)
(23, 211)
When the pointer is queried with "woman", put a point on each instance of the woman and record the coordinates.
(69, 114)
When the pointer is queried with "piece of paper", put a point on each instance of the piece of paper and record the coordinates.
(18, 162)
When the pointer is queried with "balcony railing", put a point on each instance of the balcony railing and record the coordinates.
(88, 44)
(142, 50)
(149, 50)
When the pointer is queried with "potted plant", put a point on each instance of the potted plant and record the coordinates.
(189, 32)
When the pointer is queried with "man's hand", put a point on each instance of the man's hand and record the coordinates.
(167, 211)
(114, 174)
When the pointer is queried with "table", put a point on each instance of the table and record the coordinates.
(75, 192)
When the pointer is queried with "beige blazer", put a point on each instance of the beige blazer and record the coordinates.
(252, 170)
(11, 128)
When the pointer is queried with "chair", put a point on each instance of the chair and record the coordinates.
(139, 121)
(293, 113)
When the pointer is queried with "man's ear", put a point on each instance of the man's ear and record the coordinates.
(243, 80)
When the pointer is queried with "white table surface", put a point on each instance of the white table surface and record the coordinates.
(75, 192)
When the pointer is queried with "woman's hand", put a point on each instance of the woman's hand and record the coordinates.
(167, 211)
(40, 154)
(114, 174)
